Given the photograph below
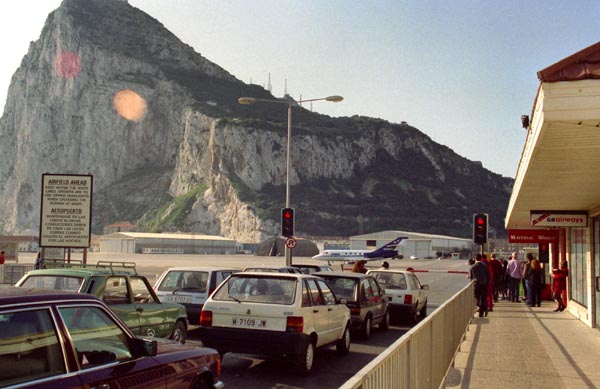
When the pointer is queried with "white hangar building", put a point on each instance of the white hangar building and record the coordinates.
(166, 243)
(418, 244)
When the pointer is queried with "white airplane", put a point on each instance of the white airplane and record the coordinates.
(388, 250)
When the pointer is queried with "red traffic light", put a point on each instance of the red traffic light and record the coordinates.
(480, 226)
(287, 222)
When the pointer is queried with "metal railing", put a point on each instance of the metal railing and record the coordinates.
(10, 273)
(422, 357)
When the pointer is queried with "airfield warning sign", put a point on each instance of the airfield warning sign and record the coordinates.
(66, 210)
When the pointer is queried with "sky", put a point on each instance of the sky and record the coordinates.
(462, 72)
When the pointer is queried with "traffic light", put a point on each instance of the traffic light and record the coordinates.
(480, 228)
(544, 252)
(287, 222)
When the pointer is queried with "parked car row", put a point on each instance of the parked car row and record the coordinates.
(55, 339)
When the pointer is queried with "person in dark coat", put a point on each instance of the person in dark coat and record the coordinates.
(536, 283)
(480, 274)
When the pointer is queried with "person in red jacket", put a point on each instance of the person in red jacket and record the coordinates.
(559, 285)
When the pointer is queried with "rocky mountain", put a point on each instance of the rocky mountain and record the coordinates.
(107, 90)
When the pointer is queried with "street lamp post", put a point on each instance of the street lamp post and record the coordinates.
(252, 100)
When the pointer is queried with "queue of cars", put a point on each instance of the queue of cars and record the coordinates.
(283, 311)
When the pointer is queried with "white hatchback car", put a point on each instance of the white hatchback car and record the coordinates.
(275, 314)
(406, 296)
(190, 286)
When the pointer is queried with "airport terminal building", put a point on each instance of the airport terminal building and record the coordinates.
(166, 243)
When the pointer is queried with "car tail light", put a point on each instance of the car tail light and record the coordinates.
(206, 318)
(408, 299)
(294, 324)
(218, 372)
(355, 311)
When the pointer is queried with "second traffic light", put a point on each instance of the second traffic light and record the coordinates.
(544, 252)
(287, 222)
(480, 228)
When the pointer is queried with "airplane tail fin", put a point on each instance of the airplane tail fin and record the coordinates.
(388, 250)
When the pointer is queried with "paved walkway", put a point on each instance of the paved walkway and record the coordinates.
(516, 346)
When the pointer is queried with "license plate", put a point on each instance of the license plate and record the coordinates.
(179, 299)
(249, 322)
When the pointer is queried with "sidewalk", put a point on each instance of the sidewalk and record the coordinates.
(516, 346)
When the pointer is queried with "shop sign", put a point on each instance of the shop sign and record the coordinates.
(559, 218)
(533, 236)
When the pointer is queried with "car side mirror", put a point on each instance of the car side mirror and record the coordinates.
(145, 347)
(425, 287)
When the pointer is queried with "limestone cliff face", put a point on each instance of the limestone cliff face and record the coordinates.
(197, 161)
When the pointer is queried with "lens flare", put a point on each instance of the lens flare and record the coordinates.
(67, 64)
(130, 105)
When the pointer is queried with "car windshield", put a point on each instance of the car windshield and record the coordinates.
(390, 280)
(66, 283)
(189, 281)
(343, 287)
(272, 290)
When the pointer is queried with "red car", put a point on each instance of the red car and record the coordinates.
(53, 339)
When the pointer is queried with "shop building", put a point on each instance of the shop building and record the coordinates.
(557, 186)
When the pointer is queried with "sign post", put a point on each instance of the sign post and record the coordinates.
(66, 211)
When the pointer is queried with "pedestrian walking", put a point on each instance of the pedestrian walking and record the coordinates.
(505, 279)
(497, 269)
(490, 290)
(536, 281)
(513, 271)
(526, 269)
(481, 275)
(559, 285)
(359, 267)
(38, 261)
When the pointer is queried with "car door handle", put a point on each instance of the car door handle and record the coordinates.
(139, 309)
(315, 311)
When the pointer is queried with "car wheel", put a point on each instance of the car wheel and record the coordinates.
(343, 345)
(413, 315)
(423, 312)
(366, 328)
(385, 323)
(303, 362)
(179, 332)
(202, 384)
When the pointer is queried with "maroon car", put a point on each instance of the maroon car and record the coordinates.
(54, 339)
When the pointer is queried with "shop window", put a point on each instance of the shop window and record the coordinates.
(578, 265)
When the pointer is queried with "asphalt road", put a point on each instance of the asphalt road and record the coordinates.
(329, 369)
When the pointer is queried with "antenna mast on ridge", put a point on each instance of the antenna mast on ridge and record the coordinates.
(269, 86)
